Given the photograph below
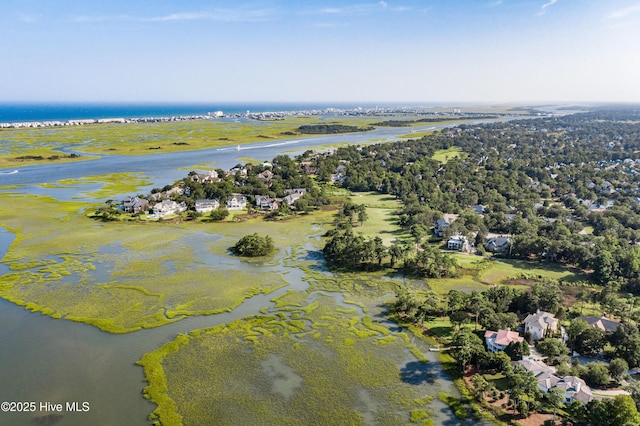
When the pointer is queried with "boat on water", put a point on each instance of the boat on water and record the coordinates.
(9, 173)
(238, 148)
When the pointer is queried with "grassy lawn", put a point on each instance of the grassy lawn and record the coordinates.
(382, 221)
(442, 327)
(503, 269)
(498, 380)
(375, 200)
(463, 283)
(444, 155)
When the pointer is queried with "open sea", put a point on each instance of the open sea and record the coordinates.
(24, 112)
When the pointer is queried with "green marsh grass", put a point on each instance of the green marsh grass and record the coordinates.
(220, 374)
(125, 276)
(148, 138)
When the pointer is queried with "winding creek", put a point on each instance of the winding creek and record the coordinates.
(44, 359)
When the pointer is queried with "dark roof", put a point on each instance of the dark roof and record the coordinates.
(605, 324)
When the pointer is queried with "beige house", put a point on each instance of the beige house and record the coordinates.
(540, 324)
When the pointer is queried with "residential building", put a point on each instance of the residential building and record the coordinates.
(540, 324)
(166, 207)
(236, 202)
(458, 242)
(498, 244)
(293, 195)
(536, 367)
(265, 176)
(135, 205)
(440, 226)
(575, 389)
(265, 202)
(498, 340)
(603, 323)
(547, 381)
(204, 206)
(211, 176)
(478, 209)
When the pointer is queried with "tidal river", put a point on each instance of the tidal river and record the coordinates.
(49, 361)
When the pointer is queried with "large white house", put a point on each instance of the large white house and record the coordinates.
(204, 206)
(540, 324)
(236, 202)
(574, 388)
(458, 242)
(166, 207)
(498, 341)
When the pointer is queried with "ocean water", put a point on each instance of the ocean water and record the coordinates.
(21, 112)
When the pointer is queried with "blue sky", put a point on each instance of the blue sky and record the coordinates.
(320, 51)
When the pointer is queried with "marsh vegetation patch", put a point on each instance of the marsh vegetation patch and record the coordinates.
(308, 365)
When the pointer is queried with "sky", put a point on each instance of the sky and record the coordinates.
(494, 51)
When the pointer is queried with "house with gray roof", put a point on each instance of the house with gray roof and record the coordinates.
(603, 323)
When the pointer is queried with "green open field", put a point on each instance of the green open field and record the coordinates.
(477, 273)
(382, 221)
(503, 269)
(444, 155)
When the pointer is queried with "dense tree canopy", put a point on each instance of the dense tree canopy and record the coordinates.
(253, 245)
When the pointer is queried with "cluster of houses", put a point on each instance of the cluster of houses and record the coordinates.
(161, 204)
(539, 326)
(494, 244)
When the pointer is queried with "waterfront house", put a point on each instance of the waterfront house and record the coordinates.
(204, 206)
(166, 207)
(498, 341)
(265, 202)
(135, 205)
(236, 202)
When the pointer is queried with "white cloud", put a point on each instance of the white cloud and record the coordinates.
(495, 3)
(361, 9)
(623, 13)
(220, 15)
(544, 7)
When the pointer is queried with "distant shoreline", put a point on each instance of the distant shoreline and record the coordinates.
(213, 115)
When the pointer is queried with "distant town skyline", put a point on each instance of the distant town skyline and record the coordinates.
(511, 51)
